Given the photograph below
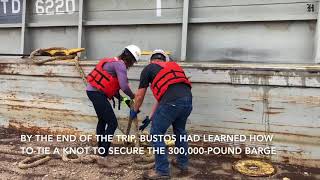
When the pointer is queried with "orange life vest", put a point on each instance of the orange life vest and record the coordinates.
(171, 73)
(102, 80)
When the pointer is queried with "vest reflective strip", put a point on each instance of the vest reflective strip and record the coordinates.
(102, 76)
(98, 82)
(164, 75)
(175, 76)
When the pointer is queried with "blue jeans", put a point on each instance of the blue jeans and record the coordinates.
(106, 117)
(173, 113)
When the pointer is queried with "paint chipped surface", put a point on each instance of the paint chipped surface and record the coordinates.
(235, 99)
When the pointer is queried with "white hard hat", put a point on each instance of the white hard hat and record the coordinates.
(160, 51)
(135, 51)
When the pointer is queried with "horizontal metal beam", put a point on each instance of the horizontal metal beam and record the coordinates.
(51, 24)
(133, 22)
(10, 25)
(284, 75)
(154, 21)
(229, 3)
(249, 19)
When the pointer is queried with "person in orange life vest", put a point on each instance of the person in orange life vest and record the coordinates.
(104, 83)
(172, 90)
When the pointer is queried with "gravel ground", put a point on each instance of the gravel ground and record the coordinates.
(201, 167)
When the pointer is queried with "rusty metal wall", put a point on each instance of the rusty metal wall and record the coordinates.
(281, 100)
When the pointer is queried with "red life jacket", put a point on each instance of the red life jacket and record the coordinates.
(171, 73)
(102, 80)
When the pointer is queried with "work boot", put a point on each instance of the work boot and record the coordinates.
(175, 163)
(153, 174)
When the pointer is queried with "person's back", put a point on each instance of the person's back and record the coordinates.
(173, 92)
(116, 69)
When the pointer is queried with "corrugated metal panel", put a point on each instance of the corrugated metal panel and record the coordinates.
(11, 37)
(288, 41)
(53, 37)
(108, 39)
(250, 30)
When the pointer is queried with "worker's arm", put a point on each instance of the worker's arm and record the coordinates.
(139, 97)
(121, 72)
(141, 92)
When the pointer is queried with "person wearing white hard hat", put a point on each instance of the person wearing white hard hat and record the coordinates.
(159, 52)
(172, 91)
(104, 83)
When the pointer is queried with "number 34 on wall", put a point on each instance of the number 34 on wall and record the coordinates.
(52, 7)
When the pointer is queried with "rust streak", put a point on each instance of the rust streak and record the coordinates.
(3, 67)
(270, 112)
(49, 73)
(55, 101)
(276, 108)
(245, 109)
(273, 124)
(20, 107)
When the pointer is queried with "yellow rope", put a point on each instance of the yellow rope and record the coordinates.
(56, 58)
(254, 168)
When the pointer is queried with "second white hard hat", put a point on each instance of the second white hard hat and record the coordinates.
(135, 51)
(160, 51)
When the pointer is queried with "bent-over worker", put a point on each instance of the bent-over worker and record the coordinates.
(172, 90)
(104, 83)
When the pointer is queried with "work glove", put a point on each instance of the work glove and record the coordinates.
(127, 101)
(133, 114)
(145, 123)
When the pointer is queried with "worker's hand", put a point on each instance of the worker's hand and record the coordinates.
(127, 101)
(133, 114)
(145, 123)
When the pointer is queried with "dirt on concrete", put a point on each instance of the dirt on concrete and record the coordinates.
(201, 167)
